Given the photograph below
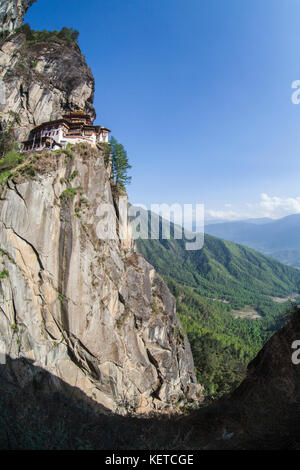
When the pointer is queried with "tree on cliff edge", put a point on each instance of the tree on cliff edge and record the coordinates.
(7, 133)
(120, 164)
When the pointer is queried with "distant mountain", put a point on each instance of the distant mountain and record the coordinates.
(257, 221)
(279, 238)
(227, 300)
(222, 268)
(215, 222)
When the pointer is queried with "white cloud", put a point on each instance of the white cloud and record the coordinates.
(268, 206)
(279, 207)
(223, 215)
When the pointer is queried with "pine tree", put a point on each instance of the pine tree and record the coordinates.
(7, 134)
(120, 164)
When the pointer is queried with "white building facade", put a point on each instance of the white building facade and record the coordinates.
(73, 128)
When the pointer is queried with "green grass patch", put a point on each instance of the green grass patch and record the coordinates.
(68, 152)
(28, 170)
(5, 176)
(4, 274)
(73, 175)
(10, 161)
(69, 194)
(155, 307)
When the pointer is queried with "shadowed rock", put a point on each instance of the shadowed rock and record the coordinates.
(39, 411)
(92, 312)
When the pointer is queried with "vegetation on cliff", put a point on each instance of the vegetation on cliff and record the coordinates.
(32, 37)
(120, 164)
(211, 287)
(108, 288)
(7, 133)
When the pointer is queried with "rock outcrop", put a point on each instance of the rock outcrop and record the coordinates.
(12, 13)
(272, 377)
(43, 80)
(263, 412)
(91, 312)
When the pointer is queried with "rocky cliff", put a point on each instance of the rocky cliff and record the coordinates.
(272, 378)
(43, 80)
(263, 413)
(267, 401)
(92, 313)
(12, 13)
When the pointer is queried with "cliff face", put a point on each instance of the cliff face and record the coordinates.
(272, 378)
(12, 13)
(43, 80)
(263, 413)
(93, 313)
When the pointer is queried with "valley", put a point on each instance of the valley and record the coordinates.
(108, 341)
(276, 238)
(227, 300)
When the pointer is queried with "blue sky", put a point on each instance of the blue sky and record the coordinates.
(199, 93)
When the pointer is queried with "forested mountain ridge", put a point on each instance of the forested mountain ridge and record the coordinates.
(227, 301)
(221, 268)
(276, 238)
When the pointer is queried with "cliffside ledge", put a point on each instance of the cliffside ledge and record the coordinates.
(91, 312)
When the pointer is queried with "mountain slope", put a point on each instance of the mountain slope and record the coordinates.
(226, 301)
(279, 239)
(222, 269)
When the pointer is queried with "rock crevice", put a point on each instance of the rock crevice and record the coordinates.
(85, 305)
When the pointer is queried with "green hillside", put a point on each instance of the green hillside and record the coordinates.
(277, 238)
(225, 301)
(222, 269)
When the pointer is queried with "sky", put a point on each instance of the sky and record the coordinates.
(200, 95)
